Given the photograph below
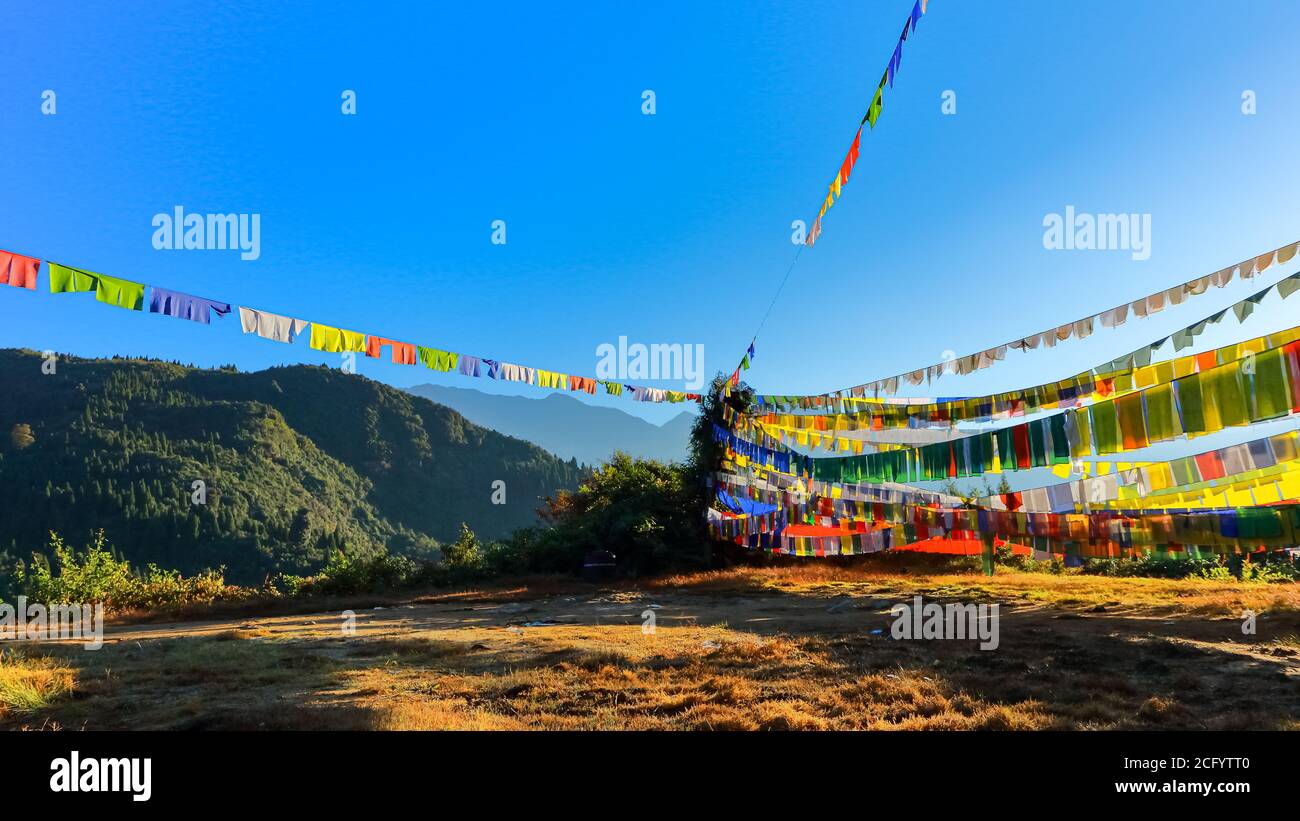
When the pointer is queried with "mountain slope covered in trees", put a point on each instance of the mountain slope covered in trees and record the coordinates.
(296, 461)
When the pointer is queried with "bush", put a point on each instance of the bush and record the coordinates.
(464, 558)
(1275, 567)
(530, 550)
(345, 575)
(96, 576)
(1028, 564)
(647, 513)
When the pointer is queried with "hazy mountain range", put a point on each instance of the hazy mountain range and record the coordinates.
(567, 426)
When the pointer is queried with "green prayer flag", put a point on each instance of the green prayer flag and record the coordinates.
(1060, 440)
(65, 280)
(1289, 286)
(1191, 404)
(873, 113)
(1160, 413)
(1105, 427)
(1185, 471)
(1006, 448)
(1229, 394)
(1037, 443)
(1271, 394)
(1246, 307)
(438, 360)
(120, 292)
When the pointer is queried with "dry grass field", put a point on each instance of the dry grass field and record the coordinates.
(794, 648)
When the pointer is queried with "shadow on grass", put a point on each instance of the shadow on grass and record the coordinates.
(735, 650)
(1050, 671)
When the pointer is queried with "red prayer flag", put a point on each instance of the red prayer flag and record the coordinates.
(18, 270)
(1210, 465)
(852, 158)
(1020, 440)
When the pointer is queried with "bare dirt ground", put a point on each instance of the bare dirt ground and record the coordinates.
(738, 650)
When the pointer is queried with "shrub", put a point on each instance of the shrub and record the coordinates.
(464, 557)
(647, 513)
(531, 550)
(96, 576)
(345, 575)
(1275, 567)
(1028, 564)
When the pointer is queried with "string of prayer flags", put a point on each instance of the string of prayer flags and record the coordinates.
(782, 460)
(1201, 403)
(1085, 326)
(1263, 477)
(868, 414)
(21, 271)
(745, 361)
(869, 120)
(1183, 482)
(748, 358)
(773, 515)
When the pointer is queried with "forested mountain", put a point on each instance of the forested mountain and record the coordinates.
(296, 461)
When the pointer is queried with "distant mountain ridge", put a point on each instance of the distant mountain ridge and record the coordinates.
(566, 426)
(297, 461)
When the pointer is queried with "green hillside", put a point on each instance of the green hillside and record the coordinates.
(297, 460)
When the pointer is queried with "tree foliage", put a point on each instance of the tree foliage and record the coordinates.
(646, 512)
(20, 436)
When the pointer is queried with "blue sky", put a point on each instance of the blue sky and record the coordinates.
(669, 228)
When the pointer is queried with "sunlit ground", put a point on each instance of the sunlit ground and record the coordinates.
(806, 647)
